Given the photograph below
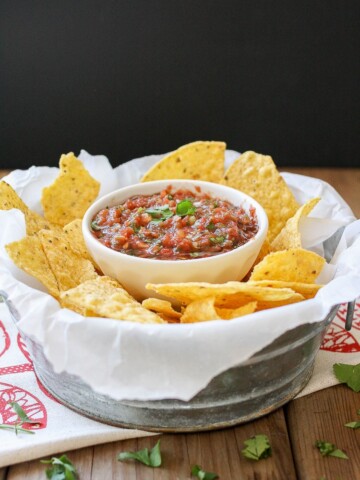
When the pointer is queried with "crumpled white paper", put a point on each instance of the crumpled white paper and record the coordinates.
(149, 362)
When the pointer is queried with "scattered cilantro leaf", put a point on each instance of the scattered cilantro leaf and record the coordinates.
(349, 374)
(185, 207)
(353, 425)
(210, 226)
(21, 414)
(60, 469)
(152, 459)
(23, 418)
(198, 472)
(155, 455)
(257, 447)
(16, 428)
(328, 449)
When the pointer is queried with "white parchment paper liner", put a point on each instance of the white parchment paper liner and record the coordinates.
(148, 362)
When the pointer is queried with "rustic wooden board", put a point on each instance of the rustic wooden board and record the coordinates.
(346, 182)
(218, 452)
(321, 416)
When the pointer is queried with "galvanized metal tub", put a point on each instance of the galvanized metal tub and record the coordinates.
(250, 390)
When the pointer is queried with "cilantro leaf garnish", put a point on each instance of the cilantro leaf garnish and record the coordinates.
(135, 227)
(151, 459)
(61, 469)
(16, 428)
(257, 447)
(21, 414)
(353, 425)
(23, 418)
(210, 226)
(198, 472)
(349, 374)
(185, 207)
(160, 213)
(328, 449)
(95, 226)
(217, 240)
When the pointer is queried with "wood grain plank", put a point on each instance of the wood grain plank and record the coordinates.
(278, 467)
(345, 181)
(321, 416)
(3, 473)
(210, 449)
(2, 174)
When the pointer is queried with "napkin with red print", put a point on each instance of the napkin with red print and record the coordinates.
(59, 429)
(338, 346)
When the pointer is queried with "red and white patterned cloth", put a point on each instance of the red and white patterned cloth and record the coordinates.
(62, 429)
(339, 346)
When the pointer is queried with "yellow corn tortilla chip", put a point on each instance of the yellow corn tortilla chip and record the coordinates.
(197, 161)
(294, 265)
(256, 175)
(9, 199)
(290, 237)
(204, 310)
(69, 268)
(71, 194)
(227, 295)
(73, 234)
(307, 290)
(162, 307)
(104, 297)
(230, 313)
(29, 255)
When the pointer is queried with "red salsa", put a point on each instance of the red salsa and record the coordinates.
(174, 225)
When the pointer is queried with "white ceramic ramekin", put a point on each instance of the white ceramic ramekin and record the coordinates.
(134, 272)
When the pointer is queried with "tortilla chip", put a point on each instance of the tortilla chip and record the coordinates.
(230, 313)
(168, 319)
(162, 307)
(200, 311)
(69, 268)
(71, 194)
(29, 255)
(104, 297)
(256, 175)
(73, 234)
(9, 199)
(196, 161)
(295, 265)
(290, 237)
(204, 310)
(307, 290)
(227, 295)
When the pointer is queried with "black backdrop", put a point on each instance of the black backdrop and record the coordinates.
(130, 78)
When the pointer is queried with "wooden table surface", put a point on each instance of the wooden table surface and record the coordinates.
(292, 430)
